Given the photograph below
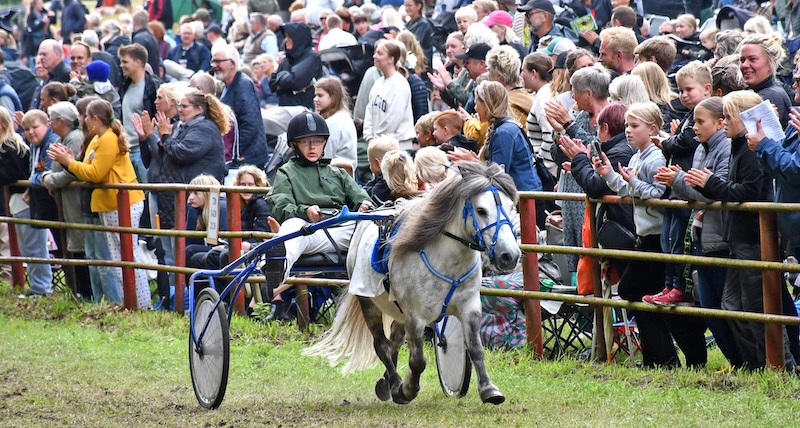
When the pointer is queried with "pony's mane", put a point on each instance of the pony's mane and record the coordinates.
(425, 219)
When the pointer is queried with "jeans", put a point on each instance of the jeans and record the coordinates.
(103, 278)
(673, 232)
(710, 285)
(139, 168)
(33, 243)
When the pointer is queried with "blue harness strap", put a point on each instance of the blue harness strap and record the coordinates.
(454, 283)
(380, 251)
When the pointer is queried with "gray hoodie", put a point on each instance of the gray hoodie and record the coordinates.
(715, 154)
(645, 164)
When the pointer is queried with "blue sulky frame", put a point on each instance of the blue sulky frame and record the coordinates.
(250, 260)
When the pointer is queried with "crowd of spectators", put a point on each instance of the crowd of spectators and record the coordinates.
(132, 95)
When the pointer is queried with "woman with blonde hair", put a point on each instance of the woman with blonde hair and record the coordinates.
(415, 57)
(107, 160)
(196, 148)
(14, 166)
(503, 65)
(506, 143)
(760, 56)
(113, 38)
(659, 92)
(628, 89)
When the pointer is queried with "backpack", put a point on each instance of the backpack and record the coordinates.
(22, 80)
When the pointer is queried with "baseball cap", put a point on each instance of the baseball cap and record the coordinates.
(498, 17)
(544, 5)
(202, 14)
(557, 46)
(214, 28)
(476, 51)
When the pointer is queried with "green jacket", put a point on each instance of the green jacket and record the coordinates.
(300, 184)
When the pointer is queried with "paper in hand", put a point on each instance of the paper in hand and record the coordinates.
(769, 121)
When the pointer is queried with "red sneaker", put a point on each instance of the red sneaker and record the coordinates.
(674, 298)
(649, 298)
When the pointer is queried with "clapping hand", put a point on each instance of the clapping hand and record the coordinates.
(557, 115)
(572, 147)
(162, 122)
(698, 178)
(61, 154)
(666, 176)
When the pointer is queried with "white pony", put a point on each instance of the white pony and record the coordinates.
(434, 269)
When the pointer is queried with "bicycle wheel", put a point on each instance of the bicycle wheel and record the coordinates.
(452, 359)
(209, 364)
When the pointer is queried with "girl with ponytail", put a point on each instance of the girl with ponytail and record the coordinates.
(107, 161)
(389, 107)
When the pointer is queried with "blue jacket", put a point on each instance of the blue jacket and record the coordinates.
(782, 162)
(43, 206)
(242, 98)
(198, 57)
(419, 96)
(509, 147)
(7, 91)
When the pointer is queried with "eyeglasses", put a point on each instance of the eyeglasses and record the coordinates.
(309, 143)
(217, 61)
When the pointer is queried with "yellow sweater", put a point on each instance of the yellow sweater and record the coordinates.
(104, 163)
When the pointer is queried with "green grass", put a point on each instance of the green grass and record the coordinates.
(90, 366)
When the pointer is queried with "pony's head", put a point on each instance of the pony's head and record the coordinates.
(472, 207)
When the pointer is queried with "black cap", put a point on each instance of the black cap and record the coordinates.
(476, 51)
(214, 28)
(544, 5)
(561, 60)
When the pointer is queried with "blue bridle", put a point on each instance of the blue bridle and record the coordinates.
(478, 243)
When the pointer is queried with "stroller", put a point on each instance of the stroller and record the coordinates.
(348, 63)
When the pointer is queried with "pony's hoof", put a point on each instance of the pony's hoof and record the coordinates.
(382, 389)
(492, 395)
(398, 397)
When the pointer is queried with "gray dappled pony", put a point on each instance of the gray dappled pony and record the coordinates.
(416, 296)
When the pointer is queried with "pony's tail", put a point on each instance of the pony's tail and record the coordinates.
(348, 339)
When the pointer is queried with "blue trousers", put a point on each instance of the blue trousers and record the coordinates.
(33, 243)
(103, 278)
(673, 232)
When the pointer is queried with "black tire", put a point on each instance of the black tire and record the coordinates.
(209, 365)
(452, 361)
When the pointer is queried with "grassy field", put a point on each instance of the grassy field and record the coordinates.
(64, 364)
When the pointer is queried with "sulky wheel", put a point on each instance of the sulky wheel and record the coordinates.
(452, 359)
(209, 361)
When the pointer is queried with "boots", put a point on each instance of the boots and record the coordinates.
(281, 312)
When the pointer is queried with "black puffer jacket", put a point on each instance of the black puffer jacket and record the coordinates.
(293, 82)
(196, 149)
(254, 217)
(746, 182)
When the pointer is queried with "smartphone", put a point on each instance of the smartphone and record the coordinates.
(597, 150)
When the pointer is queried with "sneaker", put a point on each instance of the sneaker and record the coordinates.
(649, 298)
(32, 295)
(274, 268)
(674, 298)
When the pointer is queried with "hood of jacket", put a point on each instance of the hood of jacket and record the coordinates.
(301, 39)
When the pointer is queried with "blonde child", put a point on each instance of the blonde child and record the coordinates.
(642, 123)
(377, 188)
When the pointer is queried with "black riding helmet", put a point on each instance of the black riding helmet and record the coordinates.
(306, 124)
